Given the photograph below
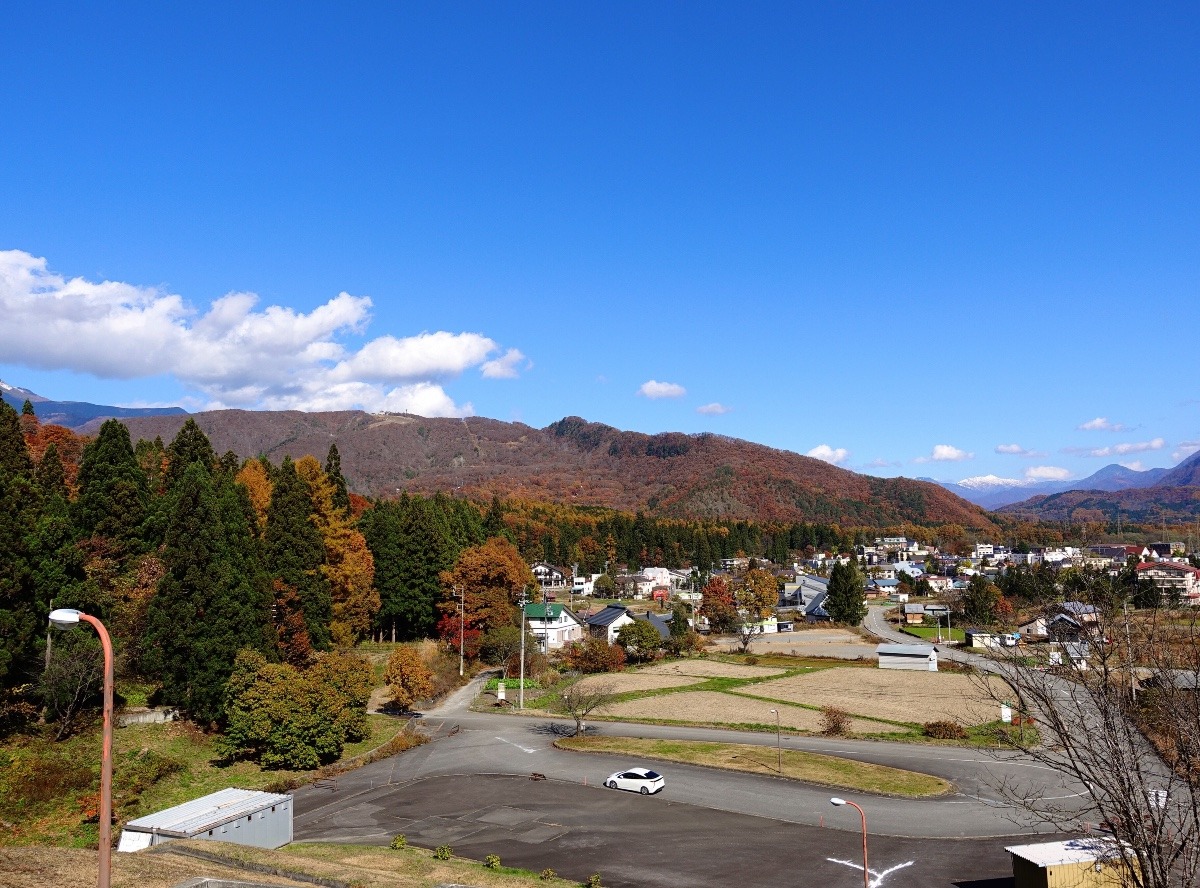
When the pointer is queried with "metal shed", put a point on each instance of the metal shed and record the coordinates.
(242, 816)
(1076, 863)
(917, 657)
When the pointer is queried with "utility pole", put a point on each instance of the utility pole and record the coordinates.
(521, 691)
(461, 596)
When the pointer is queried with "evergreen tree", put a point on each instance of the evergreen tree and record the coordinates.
(20, 626)
(207, 608)
(14, 456)
(113, 494)
(295, 551)
(27, 408)
(229, 464)
(411, 546)
(50, 477)
(333, 471)
(191, 445)
(493, 523)
(846, 602)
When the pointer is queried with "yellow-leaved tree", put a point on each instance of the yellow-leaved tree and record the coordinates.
(349, 566)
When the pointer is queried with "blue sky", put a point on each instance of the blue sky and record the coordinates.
(905, 237)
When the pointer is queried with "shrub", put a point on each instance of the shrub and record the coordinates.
(398, 842)
(593, 881)
(407, 676)
(594, 655)
(835, 722)
(443, 852)
(944, 730)
(752, 661)
(547, 874)
(492, 861)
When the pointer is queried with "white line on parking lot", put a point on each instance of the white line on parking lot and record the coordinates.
(518, 745)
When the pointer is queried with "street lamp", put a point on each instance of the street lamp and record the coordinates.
(778, 744)
(68, 618)
(863, 814)
(521, 690)
(461, 596)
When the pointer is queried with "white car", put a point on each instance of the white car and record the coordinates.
(636, 780)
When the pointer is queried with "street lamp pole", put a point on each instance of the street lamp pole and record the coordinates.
(461, 603)
(67, 618)
(863, 815)
(778, 744)
(521, 690)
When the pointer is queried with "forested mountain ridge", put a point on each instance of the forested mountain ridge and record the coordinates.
(578, 462)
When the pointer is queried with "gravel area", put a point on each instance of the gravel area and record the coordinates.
(710, 669)
(893, 694)
(713, 707)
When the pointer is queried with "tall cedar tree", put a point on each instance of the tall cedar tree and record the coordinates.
(845, 601)
(50, 476)
(19, 623)
(411, 545)
(333, 470)
(113, 495)
(295, 551)
(190, 445)
(207, 607)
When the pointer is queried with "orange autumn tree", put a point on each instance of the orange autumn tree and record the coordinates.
(491, 578)
(253, 476)
(349, 566)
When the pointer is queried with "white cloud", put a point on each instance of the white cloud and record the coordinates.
(236, 356)
(948, 453)
(1018, 450)
(1135, 464)
(505, 367)
(880, 463)
(1101, 424)
(1119, 449)
(713, 409)
(825, 453)
(653, 389)
(1047, 473)
(1185, 449)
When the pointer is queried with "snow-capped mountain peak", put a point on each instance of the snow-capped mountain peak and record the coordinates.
(992, 482)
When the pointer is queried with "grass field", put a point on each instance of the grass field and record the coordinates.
(356, 865)
(807, 766)
(930, 632)
(46, 787)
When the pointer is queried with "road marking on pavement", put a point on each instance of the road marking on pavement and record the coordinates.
(518, 745)
(879, 877)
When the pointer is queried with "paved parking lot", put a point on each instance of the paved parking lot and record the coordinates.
(633, 840)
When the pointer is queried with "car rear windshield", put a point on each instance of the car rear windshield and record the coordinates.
(652, 775)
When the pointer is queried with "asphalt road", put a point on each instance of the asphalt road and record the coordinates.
(471, 788)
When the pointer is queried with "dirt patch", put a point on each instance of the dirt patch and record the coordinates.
(623, 682)
(75, 868)
(713, 707)
(710, 669)
(892, 694)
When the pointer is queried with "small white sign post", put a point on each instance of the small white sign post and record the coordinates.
(500, 691)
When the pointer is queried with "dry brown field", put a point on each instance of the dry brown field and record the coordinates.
(623, 682)
(893, 694)
(713, 707)
(710, 669)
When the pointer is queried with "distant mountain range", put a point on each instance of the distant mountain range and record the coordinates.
(73, 414)
(993, 492)
(577, 462)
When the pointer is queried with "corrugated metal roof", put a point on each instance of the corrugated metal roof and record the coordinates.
(1071, 851)
(906, 650)
(206, 812)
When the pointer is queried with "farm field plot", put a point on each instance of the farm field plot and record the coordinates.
(713, 707)
(711, 669)
(891, 694)
(623, 682)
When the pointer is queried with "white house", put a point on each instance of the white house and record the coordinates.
(1172, 579)
(606, 623)
(553, 625)
(549, 576)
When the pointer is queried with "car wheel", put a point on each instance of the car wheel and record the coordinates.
(612, 784)
(645, 790)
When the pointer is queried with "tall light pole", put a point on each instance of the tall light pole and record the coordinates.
(521, 690)
(778, 744)
(461, 603)
(863, 815)
(68, 618)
